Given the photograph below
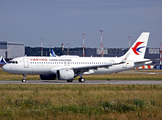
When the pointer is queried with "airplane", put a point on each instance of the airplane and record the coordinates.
(69, 67)
(2, 61)
(52, 54)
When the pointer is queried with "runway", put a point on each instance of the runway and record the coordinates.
(90, 82)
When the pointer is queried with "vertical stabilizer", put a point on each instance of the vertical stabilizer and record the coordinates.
(52, 54)
(137, 51)
(2, 61)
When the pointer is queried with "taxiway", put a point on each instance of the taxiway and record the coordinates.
(140, 82)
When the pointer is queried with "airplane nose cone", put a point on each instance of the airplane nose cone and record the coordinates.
(5, 68)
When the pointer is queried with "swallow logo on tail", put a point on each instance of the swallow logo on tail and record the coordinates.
(136, 49)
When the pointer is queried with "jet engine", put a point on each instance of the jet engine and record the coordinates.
(48, 77)
(65, 74)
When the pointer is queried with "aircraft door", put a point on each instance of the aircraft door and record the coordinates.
(26, 63)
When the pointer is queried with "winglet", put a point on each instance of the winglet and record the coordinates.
(126, 57)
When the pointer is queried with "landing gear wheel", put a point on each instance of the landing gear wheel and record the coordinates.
(69, 80)
(23, 80)
(81, 80)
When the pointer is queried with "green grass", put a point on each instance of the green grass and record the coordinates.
(116, 76)
(41, 101)
(114, 102)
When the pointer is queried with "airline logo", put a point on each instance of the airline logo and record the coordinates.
(136, 49)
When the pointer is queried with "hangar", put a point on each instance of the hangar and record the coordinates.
(11, 49)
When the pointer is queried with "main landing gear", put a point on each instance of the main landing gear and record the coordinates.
(24, 78)
(70, 80)
(81, 79)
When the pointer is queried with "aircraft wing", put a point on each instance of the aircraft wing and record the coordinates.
(82, 69)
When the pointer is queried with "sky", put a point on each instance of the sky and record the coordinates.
(64, 21)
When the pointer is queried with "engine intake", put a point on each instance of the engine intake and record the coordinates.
(65, 74)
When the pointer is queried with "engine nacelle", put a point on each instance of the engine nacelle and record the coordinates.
(65, 74)
(48, 77)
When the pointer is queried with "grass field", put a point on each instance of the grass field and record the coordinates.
(89, 102)
(82, 102)
(116, 76)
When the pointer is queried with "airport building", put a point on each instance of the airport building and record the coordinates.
(11, 50)
(151, 53)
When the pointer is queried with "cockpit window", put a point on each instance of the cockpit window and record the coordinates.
(13, 62)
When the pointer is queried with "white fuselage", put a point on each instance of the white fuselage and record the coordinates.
(49, 65)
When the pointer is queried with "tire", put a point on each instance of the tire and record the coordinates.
(81, 80)
(69, 80)
(23, 80)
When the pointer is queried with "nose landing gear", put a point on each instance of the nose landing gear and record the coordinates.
(24, 78)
